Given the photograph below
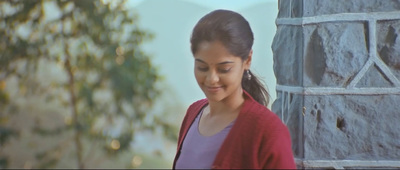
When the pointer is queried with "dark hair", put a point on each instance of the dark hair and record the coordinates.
(234, 32)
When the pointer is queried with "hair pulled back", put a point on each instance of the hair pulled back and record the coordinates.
(234, 32)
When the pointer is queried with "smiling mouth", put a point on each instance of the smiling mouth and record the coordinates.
(213, 89)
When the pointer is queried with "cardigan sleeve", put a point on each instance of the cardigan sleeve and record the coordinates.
(182, 130)
(277, 150)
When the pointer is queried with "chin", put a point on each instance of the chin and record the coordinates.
(215, 97)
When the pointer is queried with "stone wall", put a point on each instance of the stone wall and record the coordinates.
(337, 64)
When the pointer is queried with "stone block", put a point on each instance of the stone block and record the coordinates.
(284, 9)
(290, 8)
(334, 53)
(325, 7)
(352, 127)
(291, 114)
(374, 77)
(388, 44)
(297, 8)
(287, 50)
(330, 54)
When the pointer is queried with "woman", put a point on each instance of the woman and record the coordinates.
(232, 128)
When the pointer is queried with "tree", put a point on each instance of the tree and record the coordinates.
(103, 78)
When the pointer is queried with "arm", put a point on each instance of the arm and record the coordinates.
(277, 149)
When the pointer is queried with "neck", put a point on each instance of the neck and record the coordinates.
(230, 104)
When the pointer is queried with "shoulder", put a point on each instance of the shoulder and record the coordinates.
(260, 112)
(195, 107)
(263, 118)
(198, 104)
(191, 114)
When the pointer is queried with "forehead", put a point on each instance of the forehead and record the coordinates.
(214, 52)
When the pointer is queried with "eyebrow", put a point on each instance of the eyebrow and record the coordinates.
(221, 63)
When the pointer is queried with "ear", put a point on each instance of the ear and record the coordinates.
(247, 62)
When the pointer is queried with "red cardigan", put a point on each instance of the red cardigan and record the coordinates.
(257, 140)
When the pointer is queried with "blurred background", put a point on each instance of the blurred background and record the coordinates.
(106, 83)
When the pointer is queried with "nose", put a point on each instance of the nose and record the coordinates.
(212, 77)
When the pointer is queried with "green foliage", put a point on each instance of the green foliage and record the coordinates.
(3, 163)
(3, 98)
(109, 80)
(6, 133)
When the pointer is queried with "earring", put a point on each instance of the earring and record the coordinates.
(248, 75)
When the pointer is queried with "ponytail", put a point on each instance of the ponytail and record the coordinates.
(255, 88)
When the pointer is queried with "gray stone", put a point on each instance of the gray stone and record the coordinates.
(352, 127)
(328, 56)
(290, 8)
(389, 44)
(374, 78)
(284, 9)
(288, 42)
(335, 53)
(292, 117)
(324, 7)
(296, 8)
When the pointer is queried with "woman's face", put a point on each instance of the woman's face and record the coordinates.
(219, 73)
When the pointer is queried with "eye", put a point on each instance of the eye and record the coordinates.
(224, 70)
(203, 69)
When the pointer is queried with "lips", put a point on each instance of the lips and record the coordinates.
(214, 89)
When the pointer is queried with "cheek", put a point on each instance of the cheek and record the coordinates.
(235, 79)
(199, 77)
